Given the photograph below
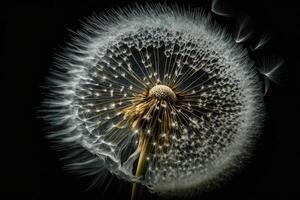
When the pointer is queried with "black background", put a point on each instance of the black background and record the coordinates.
(32, 32)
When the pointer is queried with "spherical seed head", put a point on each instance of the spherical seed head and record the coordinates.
(162, 92)
(100, 100)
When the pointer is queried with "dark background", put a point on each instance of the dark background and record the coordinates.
(32, 32)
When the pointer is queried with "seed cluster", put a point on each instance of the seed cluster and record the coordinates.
(183, 89)
(194, 131)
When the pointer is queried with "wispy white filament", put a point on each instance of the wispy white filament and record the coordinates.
(116, 56)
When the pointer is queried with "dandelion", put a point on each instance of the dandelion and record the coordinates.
(157, 96)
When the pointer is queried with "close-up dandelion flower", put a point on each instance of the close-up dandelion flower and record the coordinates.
(159, 95)
(169, 100)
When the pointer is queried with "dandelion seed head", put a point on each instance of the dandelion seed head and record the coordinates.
(163, 74)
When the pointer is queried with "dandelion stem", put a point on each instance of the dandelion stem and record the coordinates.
(140, 169)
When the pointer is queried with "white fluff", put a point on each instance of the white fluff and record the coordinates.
(89, 88)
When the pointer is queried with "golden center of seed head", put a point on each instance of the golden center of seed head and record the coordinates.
(162, 92)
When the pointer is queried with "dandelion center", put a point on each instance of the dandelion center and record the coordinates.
(162, 92)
